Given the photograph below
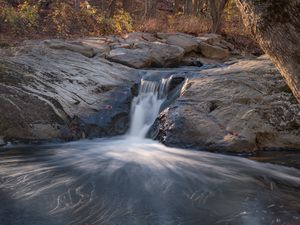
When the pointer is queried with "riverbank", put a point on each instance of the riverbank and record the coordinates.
(70, 90)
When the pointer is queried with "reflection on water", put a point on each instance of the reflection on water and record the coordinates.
(141, 182)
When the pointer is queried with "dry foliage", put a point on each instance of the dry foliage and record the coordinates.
(21, 19)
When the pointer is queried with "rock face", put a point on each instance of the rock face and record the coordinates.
(245, 106)
(55, 90)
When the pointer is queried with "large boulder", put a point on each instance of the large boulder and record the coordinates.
(52, 92)
(188, 43)
(245, 106)
(147, 54)
(136, 58)
(213, 51)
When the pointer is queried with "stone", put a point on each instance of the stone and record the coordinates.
(99, 45)
(77, 47)
(191, 61)
(136, 58)
(212, 39)
(242, 107)
(2, 142)
(147, 54)
(140, 36)
(213, 52)
(49, 94)
(188, 43)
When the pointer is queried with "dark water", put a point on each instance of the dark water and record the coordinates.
(141, 182)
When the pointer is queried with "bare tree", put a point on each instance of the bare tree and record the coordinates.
(150, 9)
(188, 7)
(112, 8)
(177, 5)
(276, 26)
(127, 5)
(76, 4)
(216, 10)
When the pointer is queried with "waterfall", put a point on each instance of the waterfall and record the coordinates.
(146, 106)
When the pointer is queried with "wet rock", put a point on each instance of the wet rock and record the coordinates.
(49, 93)
(191, 61)
(242, 107)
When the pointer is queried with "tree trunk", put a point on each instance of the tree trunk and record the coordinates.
(177, 6)
(112, 8)
(127, 5)
(196, 7)
(77, 4)
(216, 14)
(150, 9)
(276, 26)
(188, 7)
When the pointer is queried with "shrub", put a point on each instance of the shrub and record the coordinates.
(63, 19)
(67, 21)
(176, 23)
(20, 20)
(122, 22)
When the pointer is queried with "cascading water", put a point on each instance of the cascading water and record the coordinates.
(146, 106)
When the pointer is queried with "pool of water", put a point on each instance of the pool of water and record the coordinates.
(131, 181)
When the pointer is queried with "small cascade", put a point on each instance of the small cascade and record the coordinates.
(146, 106)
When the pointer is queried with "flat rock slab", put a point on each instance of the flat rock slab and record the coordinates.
(78, 47)
(147, 54)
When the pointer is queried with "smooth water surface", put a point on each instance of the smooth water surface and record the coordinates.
(125, 181)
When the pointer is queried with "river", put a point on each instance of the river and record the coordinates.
(131, 180)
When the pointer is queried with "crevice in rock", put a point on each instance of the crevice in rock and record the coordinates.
(213, 106)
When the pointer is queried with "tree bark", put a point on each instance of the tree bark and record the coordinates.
(216, 14)
(127, 5)
(150, 9)
(76, 4)
(188, 7)
(177, 6)
(112, 8)
(276, 27)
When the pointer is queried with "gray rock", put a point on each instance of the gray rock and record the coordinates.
(2, 142)
(245, 106)
(212, 39)
(147, 54)
(189, 44)
(47, 93)
(99, 45)
(136, 58)
(78, 47)
(213, 52)
(140, 36)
